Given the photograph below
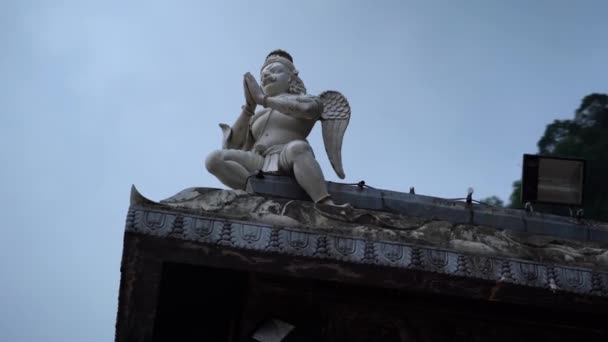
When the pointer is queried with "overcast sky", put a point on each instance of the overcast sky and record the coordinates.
(96, 96)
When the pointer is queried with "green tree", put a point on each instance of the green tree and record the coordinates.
(585, 136)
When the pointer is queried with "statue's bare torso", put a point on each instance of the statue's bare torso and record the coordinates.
(271, 128)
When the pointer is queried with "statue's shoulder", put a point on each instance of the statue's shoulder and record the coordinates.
(317, 100)
(299, 97)
(305, 97)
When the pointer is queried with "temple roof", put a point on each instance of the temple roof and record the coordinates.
(205, 245)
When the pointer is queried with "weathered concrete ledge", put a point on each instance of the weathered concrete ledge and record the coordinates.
(428, 207)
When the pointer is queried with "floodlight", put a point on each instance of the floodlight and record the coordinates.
(552, 180)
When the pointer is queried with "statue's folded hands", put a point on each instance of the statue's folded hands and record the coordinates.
(300, 106)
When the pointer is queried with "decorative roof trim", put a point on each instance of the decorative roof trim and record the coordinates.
(306, 243)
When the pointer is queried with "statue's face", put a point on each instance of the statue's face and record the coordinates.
(275, 79)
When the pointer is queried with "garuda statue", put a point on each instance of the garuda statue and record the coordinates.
(273, 139)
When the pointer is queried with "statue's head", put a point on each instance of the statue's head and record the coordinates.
(279, 75)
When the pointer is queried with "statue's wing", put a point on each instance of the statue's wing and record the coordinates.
(334, 120)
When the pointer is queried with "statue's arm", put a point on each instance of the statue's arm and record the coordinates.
(235, 136)
(299, 106)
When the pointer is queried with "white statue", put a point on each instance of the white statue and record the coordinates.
(273, 140)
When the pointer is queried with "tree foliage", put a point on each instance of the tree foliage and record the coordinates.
(585, 136)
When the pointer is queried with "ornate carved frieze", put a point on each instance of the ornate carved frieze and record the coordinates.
(315, 244)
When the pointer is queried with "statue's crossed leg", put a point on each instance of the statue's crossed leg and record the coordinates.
(234, 167)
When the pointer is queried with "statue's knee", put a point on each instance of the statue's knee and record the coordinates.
(214, 161)
(297, 148)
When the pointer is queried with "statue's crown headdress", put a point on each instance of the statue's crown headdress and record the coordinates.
(282, 57)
